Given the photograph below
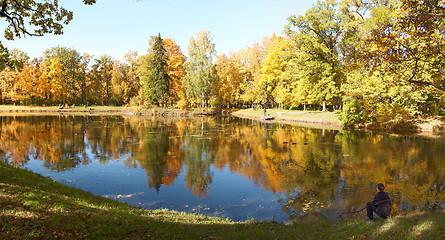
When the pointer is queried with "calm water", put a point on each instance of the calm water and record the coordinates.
(228, 167)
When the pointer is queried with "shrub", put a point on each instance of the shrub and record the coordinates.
(353, 111)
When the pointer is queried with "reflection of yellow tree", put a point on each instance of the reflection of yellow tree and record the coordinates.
(309, 167)
(275, 158)
(413, 171)
(41, 138)
(173, 162)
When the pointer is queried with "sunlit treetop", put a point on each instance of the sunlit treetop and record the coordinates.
(35, 18)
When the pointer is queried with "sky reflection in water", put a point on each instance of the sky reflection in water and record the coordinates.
(228, 167)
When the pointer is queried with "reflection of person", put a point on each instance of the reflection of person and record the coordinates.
(380, 205)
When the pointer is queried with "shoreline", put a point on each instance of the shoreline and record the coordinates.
(299, 118)
(33, 206)
(7, 110)
(36, 207)
(431, 126)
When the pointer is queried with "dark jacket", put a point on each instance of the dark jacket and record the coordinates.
(383, 204)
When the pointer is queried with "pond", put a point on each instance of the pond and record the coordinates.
(228, 167)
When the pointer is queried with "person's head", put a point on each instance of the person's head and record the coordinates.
(380, 187)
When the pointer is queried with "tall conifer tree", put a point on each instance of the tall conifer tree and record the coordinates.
(156, 80)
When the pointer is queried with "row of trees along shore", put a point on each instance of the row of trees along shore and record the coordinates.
(370, 60)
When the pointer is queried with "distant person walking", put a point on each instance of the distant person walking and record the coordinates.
(265, 106)
(380, 205)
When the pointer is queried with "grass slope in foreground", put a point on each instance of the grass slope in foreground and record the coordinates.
(35, 207)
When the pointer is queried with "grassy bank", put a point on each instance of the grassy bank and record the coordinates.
(101, 110)
(294, 116)
(12, 108)
(68, 110)
(35, 207)
(426, 126)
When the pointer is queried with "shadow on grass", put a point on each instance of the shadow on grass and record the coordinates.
(34, 207)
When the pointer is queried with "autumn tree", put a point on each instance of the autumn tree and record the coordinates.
(124, 83)
(58, 89)
(83, 71)
(41, 84)
(417, 38)
(12, 84)
(391, 61)
(228, 83)
(198, 80)
(32, 18)
(274, 87)
(412, 47)
(249, 62)
(70, 60)
(133, 62)
(318, 36)
(175, 69)
(101, 73)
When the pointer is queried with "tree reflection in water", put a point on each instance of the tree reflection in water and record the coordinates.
(306, 169)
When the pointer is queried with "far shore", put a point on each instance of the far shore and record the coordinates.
(313, 119)
(302, 118)
(329, 120)
(97, 110)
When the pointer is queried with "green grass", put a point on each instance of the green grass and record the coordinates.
(35, 207)
(55, 110)
(100, 110)
(294, 116)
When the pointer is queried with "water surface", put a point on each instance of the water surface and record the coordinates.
(228, 167)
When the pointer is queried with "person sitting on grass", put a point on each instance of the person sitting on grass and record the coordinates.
(380, 205)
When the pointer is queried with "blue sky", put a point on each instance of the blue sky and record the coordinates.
(115, 27)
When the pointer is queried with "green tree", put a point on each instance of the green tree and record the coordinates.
(318, 36)
(393, 61)
(198, 80)
(156, 79)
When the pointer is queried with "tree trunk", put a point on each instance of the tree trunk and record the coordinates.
(74, 88)
(324, 104)
(335, 103)
(304, 104)
(202, 97)
(202, 126)
(83, 92)
(108, 95)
